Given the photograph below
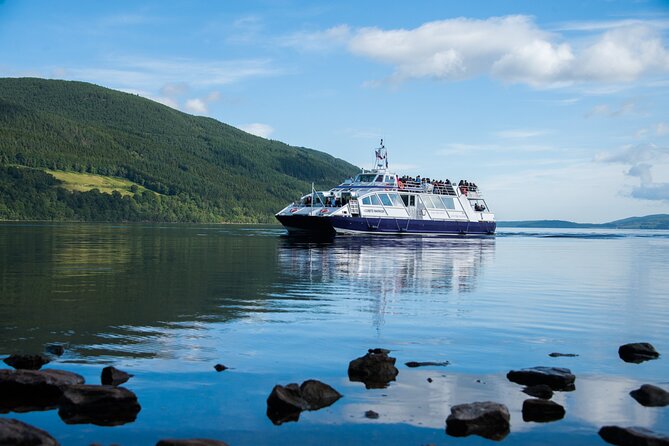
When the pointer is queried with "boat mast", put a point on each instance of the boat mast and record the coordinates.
(381, 160)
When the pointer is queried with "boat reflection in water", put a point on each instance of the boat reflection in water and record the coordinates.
(377, 271)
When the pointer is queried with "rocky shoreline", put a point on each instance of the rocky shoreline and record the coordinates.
(27, 387)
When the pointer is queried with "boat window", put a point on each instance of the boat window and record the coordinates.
(390, 178)
(405, 199)
(412, 200)
(365, 178)
(375, 200)
(395, 198)
(385, 200)
(379, 179)
(428, 201)
(366, 201)
(448, 202)
(437, 202)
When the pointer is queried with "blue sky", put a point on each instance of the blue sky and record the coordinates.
(555, 109)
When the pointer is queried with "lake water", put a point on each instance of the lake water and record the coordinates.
(167, 303)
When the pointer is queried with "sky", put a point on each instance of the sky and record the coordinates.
(555, 109)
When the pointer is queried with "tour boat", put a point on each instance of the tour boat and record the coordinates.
(378, 201)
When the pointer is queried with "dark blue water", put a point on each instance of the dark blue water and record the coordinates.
(166, 303)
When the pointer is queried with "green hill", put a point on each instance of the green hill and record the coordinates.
(178, 167)
(658, 221)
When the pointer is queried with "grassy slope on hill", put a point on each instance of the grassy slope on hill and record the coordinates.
(221, 172)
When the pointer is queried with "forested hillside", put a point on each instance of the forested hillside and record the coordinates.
(186, 168)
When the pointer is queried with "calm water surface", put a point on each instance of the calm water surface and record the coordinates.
(166, 303)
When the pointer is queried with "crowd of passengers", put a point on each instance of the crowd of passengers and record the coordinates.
(464, 185)
(418, 180)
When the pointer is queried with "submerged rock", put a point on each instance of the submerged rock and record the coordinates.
(28, 390)
(557, 378)
(542, 391)
(425, 364)
(376, 369)
(651, 396)
(637, 352)
(542, 410)
(486, 419)
(190, 442)
(285, 403)
(17, 433)
(632, 436)
(26, 362)
(111, 376)
(99, 405)
(55, 349)
(371, 415)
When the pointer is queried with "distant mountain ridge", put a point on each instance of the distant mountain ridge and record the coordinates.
(657, 221)
(185, 168)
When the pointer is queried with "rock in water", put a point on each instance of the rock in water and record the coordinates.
(413, 364)
(190, 442)
(28, 390)
(318, 395)
(637, 352)
(17, 433)
(557, 378)
(26, 362)
(220, 367)
(55, 349)
(651, 396)
(376, 369)
(566, 355)
(486, 419)
(632, 436)
(99, 405)
(539, 391)
(285, 403)
(371, 415)
(542, 410)
(112, 376)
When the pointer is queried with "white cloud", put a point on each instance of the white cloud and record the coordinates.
(662, 129)
(623, 55)
(626, 108)
(511, 48)
(520, 134)
(611, 24)
(201, 105)
(172, 89)
(635, 154)
(148, 74)
(317, 40)
(642, 159)
(214, 96)
(258, 129)
(196, 105)
(246, 30)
